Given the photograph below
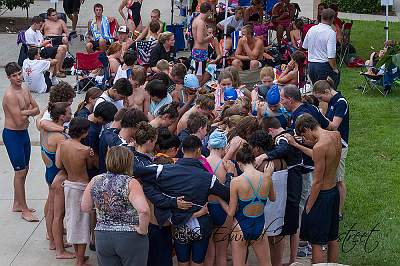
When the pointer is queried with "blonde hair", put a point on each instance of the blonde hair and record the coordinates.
(119, 160)
(114, 48)
(164, 37)
(139, 75)
(267, 72)
(321, 86)
(162, 65)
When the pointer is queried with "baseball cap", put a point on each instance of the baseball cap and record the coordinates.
(190, 81)
(123, 29)
(230, 94)
(273, 96)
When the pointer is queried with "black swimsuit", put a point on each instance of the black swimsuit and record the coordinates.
(134, 13)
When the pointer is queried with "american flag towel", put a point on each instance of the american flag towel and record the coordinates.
(143, 49)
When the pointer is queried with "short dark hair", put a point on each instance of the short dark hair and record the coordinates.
(262, 140)
(50, 10)
(299, 57)
(57, 109)
(170, 109)
(157, 88)
(106, 111)
(195, 122)
(328, 14)
(305, 121)
(132, 118)
(120, 113)
(161, 76)
(62, 92)
(36, 20)
(167, 140)
(191, 143)
(123, 87)
(157, 11)
(78, 127)
(154, 26)
(179, 70)
(98, 5)
(129, 58)
(246, 126)
(245, 154)
(270, 122)
(205, 7)
(145, 132)
(292, 91)
(32, 52)
(12, 68)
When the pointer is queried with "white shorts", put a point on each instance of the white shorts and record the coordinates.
(341, 168)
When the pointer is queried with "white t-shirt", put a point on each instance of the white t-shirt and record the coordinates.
(320, 41)
(33, 37)
(33, 72)
(121, 73)
(231, 21)
(105, 98)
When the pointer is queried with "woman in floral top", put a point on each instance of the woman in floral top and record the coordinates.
(122, 212)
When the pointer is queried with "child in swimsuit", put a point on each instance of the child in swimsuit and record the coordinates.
(249, 195)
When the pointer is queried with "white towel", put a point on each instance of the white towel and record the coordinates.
(77, 222)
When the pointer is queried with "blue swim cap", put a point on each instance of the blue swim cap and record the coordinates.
(273, 96)
(217, 140)
(191, 82)
(230, 94)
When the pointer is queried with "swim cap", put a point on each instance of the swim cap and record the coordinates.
(230, 94)
(217, 140)
(273, 96)
(262, 91)
(191, 82)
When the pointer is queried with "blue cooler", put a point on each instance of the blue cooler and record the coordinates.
(177, 30)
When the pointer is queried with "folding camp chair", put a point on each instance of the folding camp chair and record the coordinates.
(373, 82)
(59, 16)
(345, 45)
(85, 63)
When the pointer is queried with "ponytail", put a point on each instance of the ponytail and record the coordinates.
(91, 93)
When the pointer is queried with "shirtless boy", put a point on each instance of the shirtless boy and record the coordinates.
(320, 219)
(139, 98)
(74, 158)
(250, 49)
(201, 39)
(18, 106)
(55, 28)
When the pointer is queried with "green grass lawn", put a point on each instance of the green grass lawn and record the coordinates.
(373, 162)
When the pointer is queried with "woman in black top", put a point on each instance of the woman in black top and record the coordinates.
(164, 49)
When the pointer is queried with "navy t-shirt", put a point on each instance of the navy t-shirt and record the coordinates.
(93, 137)
(339, 107)
(322, 120)
(84, 113)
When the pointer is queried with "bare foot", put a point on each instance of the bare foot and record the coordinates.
(52, 246)
(65, 255)
(18, 209)
(29, 217)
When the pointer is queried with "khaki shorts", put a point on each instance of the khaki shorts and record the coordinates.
(341, 168)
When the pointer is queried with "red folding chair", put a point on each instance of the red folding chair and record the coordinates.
(86, 62)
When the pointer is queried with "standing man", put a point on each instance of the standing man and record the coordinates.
(320, 42)
(201, 39)
(71, 8)
(18, 106)
(320, 219)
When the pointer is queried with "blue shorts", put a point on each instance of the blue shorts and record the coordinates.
(18, 147)
(195, 249)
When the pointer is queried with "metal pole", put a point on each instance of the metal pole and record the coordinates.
(387, 22)
(225, 29)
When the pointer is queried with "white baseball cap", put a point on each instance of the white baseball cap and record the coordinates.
(123, 29)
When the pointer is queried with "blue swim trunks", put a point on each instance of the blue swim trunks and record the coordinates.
(18, 147)
(199, 61)
(199, 55)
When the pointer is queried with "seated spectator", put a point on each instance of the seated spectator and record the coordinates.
(34, 38)
(163, 66)
(164, 49)
(296, 34)
(229, 51)
(254, 13)
(117, 94)
(99, 35)
(123, 38)
(250, 49)
(155, 17)
(159, 97)
(290, 74)
(235, 21)
(214, 50)
(282, 16)
(114, 54)
(337, 23)
(38, 73)
(125, 70)
(55, 28)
